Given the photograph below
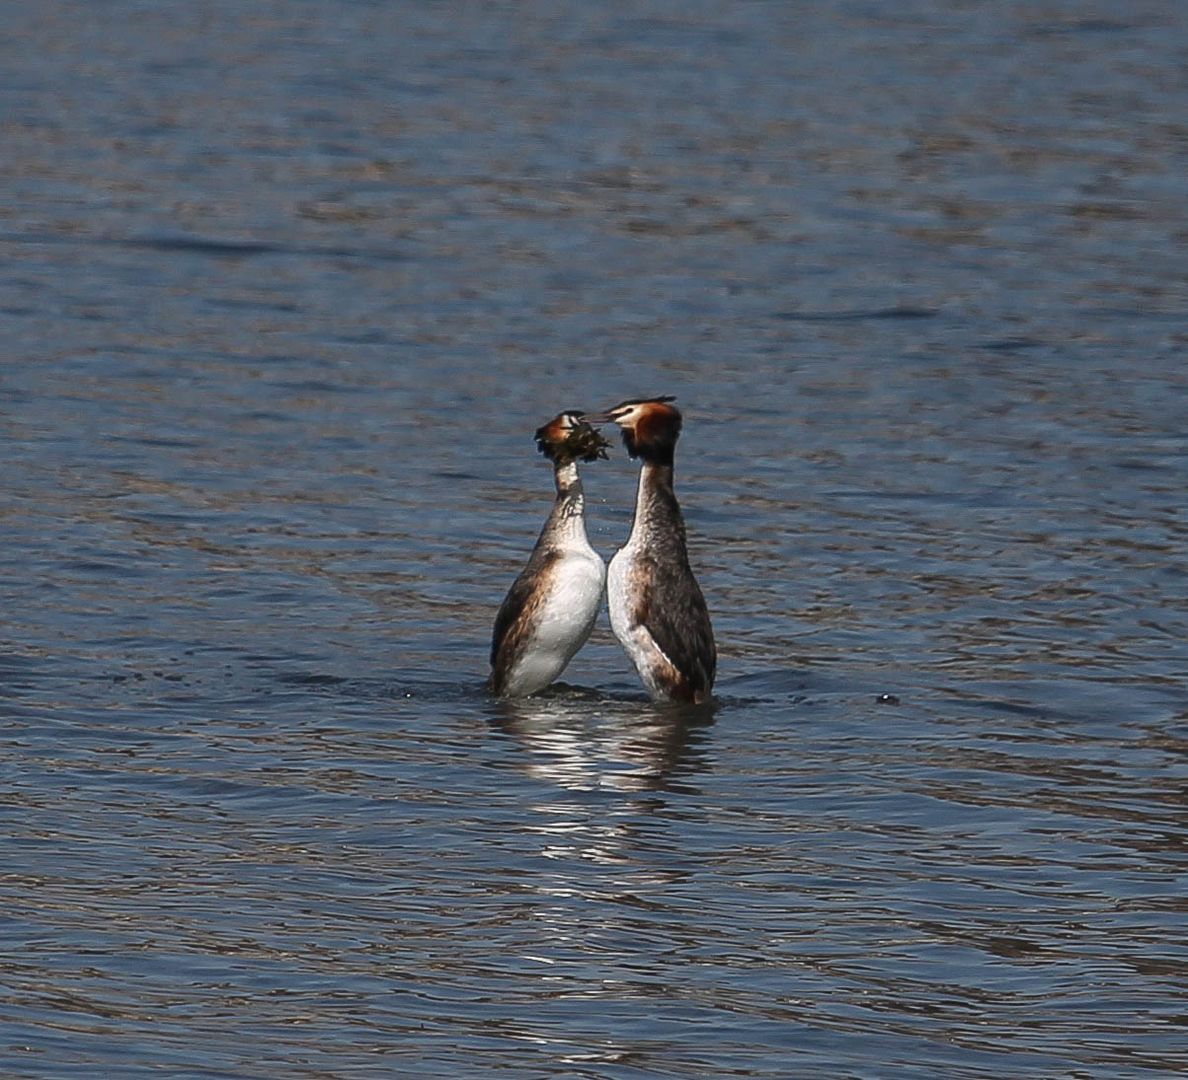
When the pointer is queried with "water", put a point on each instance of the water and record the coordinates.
(286, 289)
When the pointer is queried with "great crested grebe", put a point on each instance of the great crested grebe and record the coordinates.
(656, 607)
(550, 609)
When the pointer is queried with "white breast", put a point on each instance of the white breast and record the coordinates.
(623, 584)
(563, 622)
(618, 591)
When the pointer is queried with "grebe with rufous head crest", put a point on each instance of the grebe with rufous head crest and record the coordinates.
(550, 609)
(656, 607)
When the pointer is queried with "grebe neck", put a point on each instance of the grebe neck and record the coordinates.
(567, 522)
(657, 511)
(568, 482)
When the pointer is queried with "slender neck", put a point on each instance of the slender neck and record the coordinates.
(567, 519)
(568, 482)
(656, 508)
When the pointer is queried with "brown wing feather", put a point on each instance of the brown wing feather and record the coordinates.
(673, 610)
(515, 615)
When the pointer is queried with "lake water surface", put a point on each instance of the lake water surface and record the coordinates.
(287, 287)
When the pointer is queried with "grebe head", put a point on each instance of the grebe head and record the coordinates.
(567, 438)
(651, 426)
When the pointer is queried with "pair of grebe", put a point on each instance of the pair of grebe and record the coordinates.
(656, 607)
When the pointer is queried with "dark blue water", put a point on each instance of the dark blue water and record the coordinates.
(287, 287)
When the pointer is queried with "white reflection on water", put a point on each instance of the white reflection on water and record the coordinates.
(584, 742)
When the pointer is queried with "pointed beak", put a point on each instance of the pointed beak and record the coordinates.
(597, 418)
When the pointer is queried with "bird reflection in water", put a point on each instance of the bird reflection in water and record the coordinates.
(607, 844)
(583, 740)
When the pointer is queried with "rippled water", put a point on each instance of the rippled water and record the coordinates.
(286, 289)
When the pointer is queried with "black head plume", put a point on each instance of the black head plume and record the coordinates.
(567, 437)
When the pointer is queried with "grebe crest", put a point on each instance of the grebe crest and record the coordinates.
(650, 426)
(568, 438)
